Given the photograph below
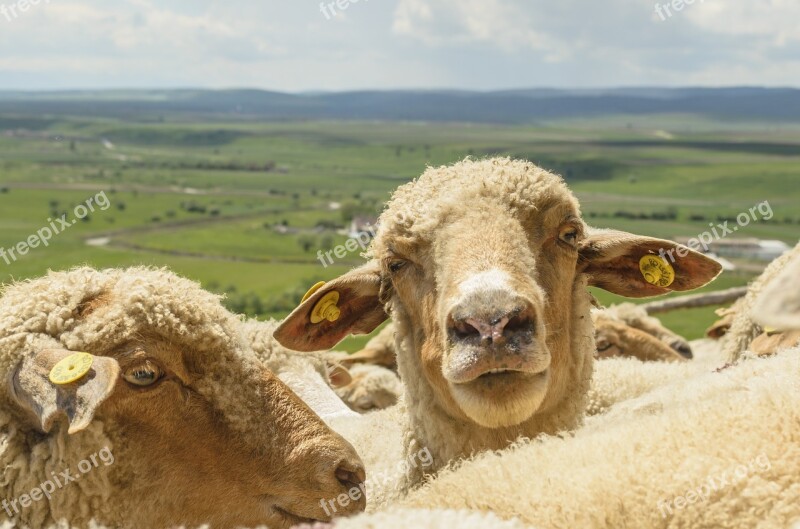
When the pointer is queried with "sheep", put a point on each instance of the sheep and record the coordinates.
(636, 317)
(399, 518)
(744, 330)
(314, 378)
(720, 450)
(622, 379)
(779, 304)
(615, 337)
(172, 410)
(378, 351)
(483, 266)
(620, 330)
(372, 388)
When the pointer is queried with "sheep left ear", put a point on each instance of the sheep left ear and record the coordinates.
(635, 266)
(347, 305)
(33, 389)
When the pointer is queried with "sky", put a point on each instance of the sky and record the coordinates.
(304, 45)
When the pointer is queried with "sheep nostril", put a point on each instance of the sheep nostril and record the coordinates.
(350, 478)
(491, 330)
(683, 348)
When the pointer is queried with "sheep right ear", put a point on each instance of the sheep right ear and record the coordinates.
(45, 402)
(347, 305)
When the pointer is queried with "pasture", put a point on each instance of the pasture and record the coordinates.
(244, 206)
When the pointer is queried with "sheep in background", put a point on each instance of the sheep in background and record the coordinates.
(372, 388)
(615, 337)
(190, 418)
(744, 329)
(483, 266)
(636, 316)
(378, 351)
(779, 305)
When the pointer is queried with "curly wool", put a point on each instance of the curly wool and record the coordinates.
(90, 310)
(416, 212)
(518, 185)
(373, 387)
(627, 469)
(744, 329)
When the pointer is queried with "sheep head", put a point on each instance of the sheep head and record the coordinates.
(483, 265)
(202, 433)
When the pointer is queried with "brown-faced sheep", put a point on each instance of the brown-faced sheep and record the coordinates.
(615, 337)
(483, 266)
(200, 432)
(636, 317)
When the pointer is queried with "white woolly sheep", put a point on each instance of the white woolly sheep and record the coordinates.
(372, 388)
(779, 304)
(483, 266)
(200, 431)
(744, 330)
(720, 450)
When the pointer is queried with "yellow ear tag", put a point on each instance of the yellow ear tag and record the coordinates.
(656, 270)
(72, 368)
(326, 308)
(312, 291)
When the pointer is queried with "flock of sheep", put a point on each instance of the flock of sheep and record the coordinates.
(499, 396)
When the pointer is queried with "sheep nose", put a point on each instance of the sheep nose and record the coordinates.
(351, 476)
(495, 329)
(683, 348)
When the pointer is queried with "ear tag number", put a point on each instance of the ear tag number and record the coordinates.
(72, 368)
(326, 308)
(656, 270)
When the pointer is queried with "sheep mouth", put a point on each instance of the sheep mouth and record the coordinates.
(468, 366)
(293, 519)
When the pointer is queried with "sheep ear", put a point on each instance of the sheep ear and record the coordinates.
(611, 260)
(46, 401)
(357, 310)
(338, 375)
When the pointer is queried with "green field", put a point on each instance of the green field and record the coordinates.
(244, 207)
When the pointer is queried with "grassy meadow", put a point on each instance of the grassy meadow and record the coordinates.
(243, 206)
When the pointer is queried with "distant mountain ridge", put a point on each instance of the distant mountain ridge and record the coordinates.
(506, 106)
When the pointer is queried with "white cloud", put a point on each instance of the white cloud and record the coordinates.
(479, 44)
(497, 23)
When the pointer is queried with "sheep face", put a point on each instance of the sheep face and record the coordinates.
(483, 267)
(202, 433)
(615, 338)
(252, 446)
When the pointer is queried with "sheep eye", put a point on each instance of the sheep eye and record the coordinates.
(569, 235)
(396, 265)
(603, 345)
(143, 375)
